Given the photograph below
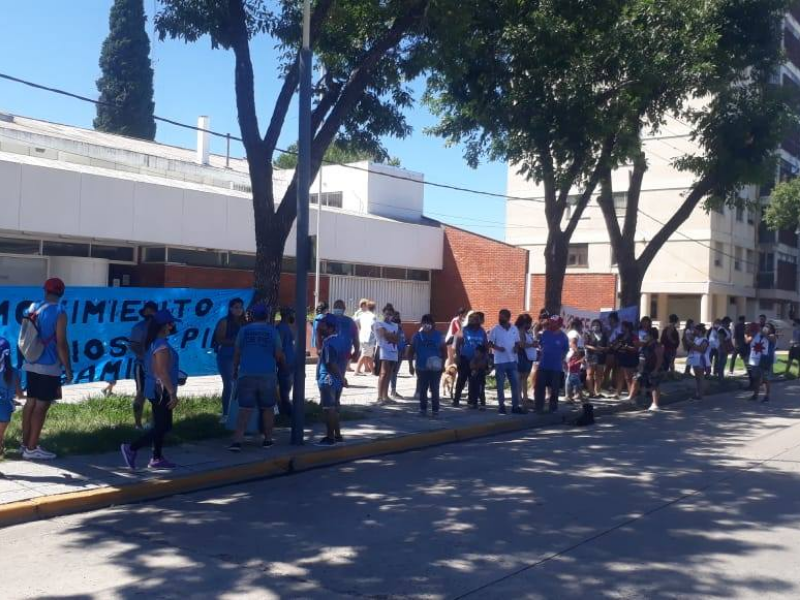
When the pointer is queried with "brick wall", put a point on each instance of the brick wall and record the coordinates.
(587, 291)
(478, 273)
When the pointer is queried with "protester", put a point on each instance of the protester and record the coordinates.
(553, 347)
(286, 329)
(542, 323)
(366, 338)
(387, 336)
(697, 359)
(9, 389)
(470, 337)
(453, 330)
(258, 352)
(716, 339)
(108, 391)
(740, 345)
(794, 348)
(596, 345)
(330, 380)
(671, 341)
(362, 308)
(137, 347)
(402, 345)
(687, 339)
(614, 330)
(725, 347)
(43, 375)
(504, 342)
(627, 353)
(478, 368)
(650, 369)
(760, 360)
(526, 354)
(348, 330)
(224, 339)
(161, 368)
(320, 311)
(574, 387)
(429, 349)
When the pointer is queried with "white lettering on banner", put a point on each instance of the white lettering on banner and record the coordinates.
(629, 313)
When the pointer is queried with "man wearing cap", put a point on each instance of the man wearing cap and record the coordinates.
(553, 347)
(256, 357)
(44, 374)
(330, 379)
(137, 347)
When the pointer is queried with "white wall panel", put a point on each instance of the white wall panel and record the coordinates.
(158, 212)
(107, 207)
(10, 185)
(411, 298)
(51, 200)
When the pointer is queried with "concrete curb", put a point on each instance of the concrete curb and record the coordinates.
(103, 497)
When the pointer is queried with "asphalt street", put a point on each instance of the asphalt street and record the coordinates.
(699, 501)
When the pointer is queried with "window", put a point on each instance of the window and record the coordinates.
(737, 258)
(750, 267)
(750, 217)
(118, 253)
(368, 271)
(241, 261)
(65, 249)
(719, 253)
(196, 258)
(288, 264)
(766, 262)
(766, 305)
(393, 273)
(18, 246)
(418, 275)
(620, 203)
(154, 255)
(333, 199)
(578, 255)
(740, 214)
(337, 268)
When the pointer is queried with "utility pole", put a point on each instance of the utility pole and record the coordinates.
(303, 185)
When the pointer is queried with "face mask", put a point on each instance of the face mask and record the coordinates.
(427, 327)
(765, 331)
(388, 318)
(597, 329)
(338, 311)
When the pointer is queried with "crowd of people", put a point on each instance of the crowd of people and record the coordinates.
(256, 358)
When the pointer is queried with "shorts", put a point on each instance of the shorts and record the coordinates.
(329, 396)
(388, 366)
(46, 388)
(574, 381)
(524, 365)
(367, 350)
(628, 360)
(257, 392)
(6, 410)
(596, 359)
(794, 353)
(649, 380)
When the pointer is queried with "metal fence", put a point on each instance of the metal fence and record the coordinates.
(411, 298)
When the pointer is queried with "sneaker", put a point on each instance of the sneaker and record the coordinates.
(235, 447)
(482, 407)
(765, 399)
(160, 463)
(326, 441)
(501, 410)
(654, 408)
(267, 443)
(518, 410)
(472, 405)
(455, 403)
(338, 439)
(397, 396)
(37, 453)
(129, 456)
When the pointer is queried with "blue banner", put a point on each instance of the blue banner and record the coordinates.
(100, 322)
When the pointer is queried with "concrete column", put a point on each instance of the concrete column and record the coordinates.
(644, 305)
(722, 307)
(662, 302)
(706, 301)
(741, 307)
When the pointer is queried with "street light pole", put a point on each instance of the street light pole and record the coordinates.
(318, 253)
(303, 185)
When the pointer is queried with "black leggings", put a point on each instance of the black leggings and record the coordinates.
(162, 424)
(463, 376)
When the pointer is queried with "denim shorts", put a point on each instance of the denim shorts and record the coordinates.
(6, 409)
(257, 392)
(329, 396)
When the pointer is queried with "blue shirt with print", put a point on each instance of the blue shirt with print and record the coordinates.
(287, 344)
(425, 346)
(47, 322)
(257, 344)
(553, 348)
(330, 355)
(473, 337)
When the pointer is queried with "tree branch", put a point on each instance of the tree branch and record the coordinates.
(606, 202)
(633, 195)
(591, 185)
(245, 90)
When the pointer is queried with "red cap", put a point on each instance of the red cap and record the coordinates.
(54, 286)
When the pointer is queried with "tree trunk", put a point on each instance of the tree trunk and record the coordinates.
(630, 281)
(555, 253)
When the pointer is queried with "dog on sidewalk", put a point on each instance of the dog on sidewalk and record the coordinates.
(449, 381)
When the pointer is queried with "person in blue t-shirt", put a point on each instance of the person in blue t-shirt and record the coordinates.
(258, 351)
(429, 350)
(330, 378)
(470, 337)
(286, 330)
(9, 389)
(347, 329)
(553, 348)
(224, 341)
(320, 312)
(136, 345)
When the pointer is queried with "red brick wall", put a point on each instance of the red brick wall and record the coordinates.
(587, 291)
(478, 273)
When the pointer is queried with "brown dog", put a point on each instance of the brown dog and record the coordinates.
(449, 381)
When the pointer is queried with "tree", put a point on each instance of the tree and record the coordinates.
(368, 50)
(783, 210)
(737, 130)
(559, 88)
(334, 154)
(126, 84)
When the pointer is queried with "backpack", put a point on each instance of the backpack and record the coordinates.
(31, 344)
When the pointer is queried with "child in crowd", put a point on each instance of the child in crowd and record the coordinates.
(479, 366)
(9, 389)
(574, 390)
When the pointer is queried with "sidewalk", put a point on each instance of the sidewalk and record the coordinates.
(383, 429)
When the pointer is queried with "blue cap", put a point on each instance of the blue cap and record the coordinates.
(165, 317)
(259, 311)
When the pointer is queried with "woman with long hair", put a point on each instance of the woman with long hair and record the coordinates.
(525, 354)
(161, 389)
(596, 346)
(627, 358)
(224, 341)
(697, 360)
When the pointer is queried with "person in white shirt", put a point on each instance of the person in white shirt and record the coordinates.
(504, 342)
(697, 359)
(759, 362)
(794, 347)
(387, 336)
(453, 330)
(365, 320)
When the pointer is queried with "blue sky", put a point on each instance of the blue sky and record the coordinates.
(53, 43)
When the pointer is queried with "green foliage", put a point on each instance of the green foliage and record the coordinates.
(126, 83)
(783, 210)
(334, 154)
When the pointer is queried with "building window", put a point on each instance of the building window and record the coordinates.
(578, 255)
(115, 253)
(750, 217)
(740, 214)
(196, 258)
(333, 199)
(288, 264)
(418, 275)
(241, 261)
(620, 203)
(766, 305)
(337, 268)
(368, 271)
(750, 267)
(154, 255)
(719, 253)
(737, 258)
(393, 273)
(19, 246)
(65, 249)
